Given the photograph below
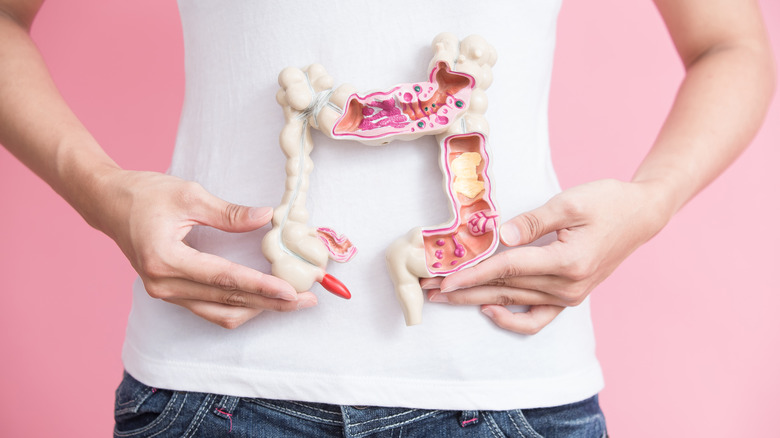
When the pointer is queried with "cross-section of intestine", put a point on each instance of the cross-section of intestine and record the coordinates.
(470, 236)
(450, 105)
(407, 111)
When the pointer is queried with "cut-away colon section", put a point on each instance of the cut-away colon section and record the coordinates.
(421, 108)
(472, 235)
(339, 247)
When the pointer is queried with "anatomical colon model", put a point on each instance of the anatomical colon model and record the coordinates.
(451, 106)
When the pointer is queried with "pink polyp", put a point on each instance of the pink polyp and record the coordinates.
(460, 251)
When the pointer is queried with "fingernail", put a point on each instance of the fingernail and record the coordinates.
(510, 235)
(288, 296)
(257, 213)
(428, 283)
(487, 311)
(438, 298)
(307, 302)
(450, 289)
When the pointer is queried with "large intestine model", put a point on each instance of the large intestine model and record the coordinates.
(450, 105)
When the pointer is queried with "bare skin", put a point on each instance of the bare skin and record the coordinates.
(719, 107)
(147, 214)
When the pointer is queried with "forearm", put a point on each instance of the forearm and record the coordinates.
(38, 127)
(719, 107)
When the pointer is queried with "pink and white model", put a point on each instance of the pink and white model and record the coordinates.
(450, 105)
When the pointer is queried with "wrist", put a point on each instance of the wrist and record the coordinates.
(661, 198)
(83, 177)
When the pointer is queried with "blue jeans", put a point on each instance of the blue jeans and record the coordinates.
(142, 411)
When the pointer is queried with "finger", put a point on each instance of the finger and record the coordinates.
(430, 283)
(177, 288)
(221, 273)
(561, 291)
(518, 262)
(502, 296)
(218, 213)
(528, 323)
(227, 316)
(233, 316)
(530, 226)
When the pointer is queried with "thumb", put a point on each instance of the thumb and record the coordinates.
(234, 218)
(530, 226)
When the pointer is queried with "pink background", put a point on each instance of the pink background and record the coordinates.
(688, 335)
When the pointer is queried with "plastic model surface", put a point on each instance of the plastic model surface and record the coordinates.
(450, 105)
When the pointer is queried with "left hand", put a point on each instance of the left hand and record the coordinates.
(598, 225)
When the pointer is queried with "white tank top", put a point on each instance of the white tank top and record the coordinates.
(359, 351)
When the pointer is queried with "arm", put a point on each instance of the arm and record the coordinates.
(147, 214)
(729, 82)
(720, 105)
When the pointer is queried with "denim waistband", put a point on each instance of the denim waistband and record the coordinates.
(143, 412)
(359, 421)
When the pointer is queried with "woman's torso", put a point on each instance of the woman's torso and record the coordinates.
(359, 351)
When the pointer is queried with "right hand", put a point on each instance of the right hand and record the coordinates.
(149, 215)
